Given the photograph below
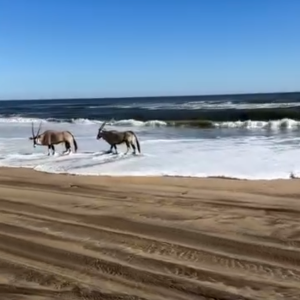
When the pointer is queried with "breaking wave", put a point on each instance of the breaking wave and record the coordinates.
(274, 124)
(284, 123)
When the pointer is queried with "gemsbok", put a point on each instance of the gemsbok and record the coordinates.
(114, 138)
(52, 137)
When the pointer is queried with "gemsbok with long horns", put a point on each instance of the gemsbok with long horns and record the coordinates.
(52, 137)
(114, 138)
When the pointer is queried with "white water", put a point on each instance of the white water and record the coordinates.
(201, 105)
(165, 151)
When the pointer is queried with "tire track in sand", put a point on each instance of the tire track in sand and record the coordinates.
(63, 249)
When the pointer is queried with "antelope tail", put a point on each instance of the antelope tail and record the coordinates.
(137, 142)
(74, 142)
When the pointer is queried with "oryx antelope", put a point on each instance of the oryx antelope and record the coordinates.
(52, 137)
(114, 138)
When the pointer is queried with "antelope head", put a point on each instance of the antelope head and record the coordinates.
(99, 135)
(35, 137)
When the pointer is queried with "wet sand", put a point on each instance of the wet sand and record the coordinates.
(72, 237)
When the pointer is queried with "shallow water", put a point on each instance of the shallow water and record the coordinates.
(250, 153)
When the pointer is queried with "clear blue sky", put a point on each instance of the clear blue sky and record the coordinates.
(113, 48)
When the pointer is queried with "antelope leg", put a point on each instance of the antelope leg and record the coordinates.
(116, 150)
(134, 149)
(110, 150)
(128, 147)
(68, 148)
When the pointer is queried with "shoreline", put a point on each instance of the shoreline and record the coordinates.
(26, 172)
(156, 177)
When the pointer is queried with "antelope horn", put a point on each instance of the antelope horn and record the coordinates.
(102, 125)
(39, 129)
(32, 129)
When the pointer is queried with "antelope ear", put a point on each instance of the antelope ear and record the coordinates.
(31, 138)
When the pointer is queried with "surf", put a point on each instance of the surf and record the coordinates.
(245, 153)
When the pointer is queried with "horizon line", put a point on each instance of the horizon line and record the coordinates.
(147, 97)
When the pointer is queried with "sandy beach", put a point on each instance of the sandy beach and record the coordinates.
(72, 237)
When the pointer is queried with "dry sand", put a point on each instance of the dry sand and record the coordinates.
(71, 237)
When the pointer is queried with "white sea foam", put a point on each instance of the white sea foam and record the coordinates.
(193, 105)
(165, 151)
(285, 123)
(128, 122)
(274, 124)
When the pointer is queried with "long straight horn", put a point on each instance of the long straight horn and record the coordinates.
(102, 126)
(39, 129)
(32, 130)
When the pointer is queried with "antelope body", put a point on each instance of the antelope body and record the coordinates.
(114, 138)
(52, 137)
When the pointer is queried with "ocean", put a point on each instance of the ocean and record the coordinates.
(250, 136)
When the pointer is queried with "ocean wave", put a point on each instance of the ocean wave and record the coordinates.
(274, 124)
(21, 120)
(127, 122)
(201, 105)
(285, 123)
